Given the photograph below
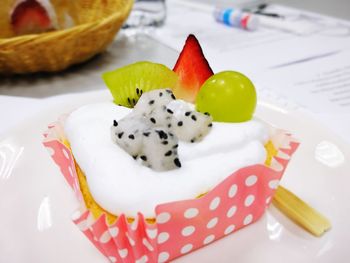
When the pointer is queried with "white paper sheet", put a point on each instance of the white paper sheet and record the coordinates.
(321, 85)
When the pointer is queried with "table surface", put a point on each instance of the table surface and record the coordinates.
(87, 76)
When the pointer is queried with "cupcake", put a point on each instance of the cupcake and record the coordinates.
(159, 176)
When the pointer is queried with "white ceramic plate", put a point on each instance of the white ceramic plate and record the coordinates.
(36, 203)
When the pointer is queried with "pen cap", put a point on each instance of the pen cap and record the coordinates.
(236, 18)
(251, 22)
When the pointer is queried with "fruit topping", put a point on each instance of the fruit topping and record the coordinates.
(150, 133)
(160, 150)
(228, 96)
(188, 124)
(128, 83)
(162, 110)
(30, 17)
(193, 70)
(128, 133)
(153, 100)
(154, 147)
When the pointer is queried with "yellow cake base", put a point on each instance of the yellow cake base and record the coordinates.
(97, 210)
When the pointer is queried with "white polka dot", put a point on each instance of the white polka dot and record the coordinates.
(75, 188)
(51, 151)
(163, 257)
(248, 219)
(134, 225)
(214, 203)
(229, 229)
(163, 237)
(90, 219)
(163, 218)
(114, 231)
(268, 200)
(212, 222)
(191, 213)
(83, 226)
(208, 239)
(231, 211)
(70, 170)
(112, 259)
(105, 237)
(131, 241)
(251, 180)
(273, 184)
(123, 253)
(249, 200)
(65, 153)
(186, 248)
(76, 215)
(188, 230)
(233, 190)
(142, 259)
(76, 184)
(147, 244)
(152, 233)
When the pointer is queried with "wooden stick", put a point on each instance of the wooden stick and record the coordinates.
(300, 212)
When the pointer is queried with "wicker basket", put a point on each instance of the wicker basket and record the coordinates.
(96, 23)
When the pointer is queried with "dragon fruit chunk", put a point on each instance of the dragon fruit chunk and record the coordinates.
(154, 99)
(150, 133)
(127, 133)
(160, 150)
(188, 124)
(160, 117)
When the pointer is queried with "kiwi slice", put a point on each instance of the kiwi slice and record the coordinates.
(128, 83)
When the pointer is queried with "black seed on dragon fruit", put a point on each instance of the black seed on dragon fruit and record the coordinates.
(188, 124)
(157, 154)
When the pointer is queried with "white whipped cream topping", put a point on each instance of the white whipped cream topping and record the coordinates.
(121, 185)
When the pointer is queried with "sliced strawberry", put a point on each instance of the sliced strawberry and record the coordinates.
(30, 17)
(192, 68)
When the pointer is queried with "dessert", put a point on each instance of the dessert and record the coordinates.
(40, 16)
(140, 189)
(159, 176)
(32, 17)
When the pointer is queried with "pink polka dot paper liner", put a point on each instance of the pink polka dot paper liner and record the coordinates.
(182, 226)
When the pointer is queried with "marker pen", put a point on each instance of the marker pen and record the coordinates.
(236, 18)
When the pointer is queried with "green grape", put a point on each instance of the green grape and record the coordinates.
(228, 96)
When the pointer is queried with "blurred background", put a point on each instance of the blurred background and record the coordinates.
(108, 42)
(336, 8)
